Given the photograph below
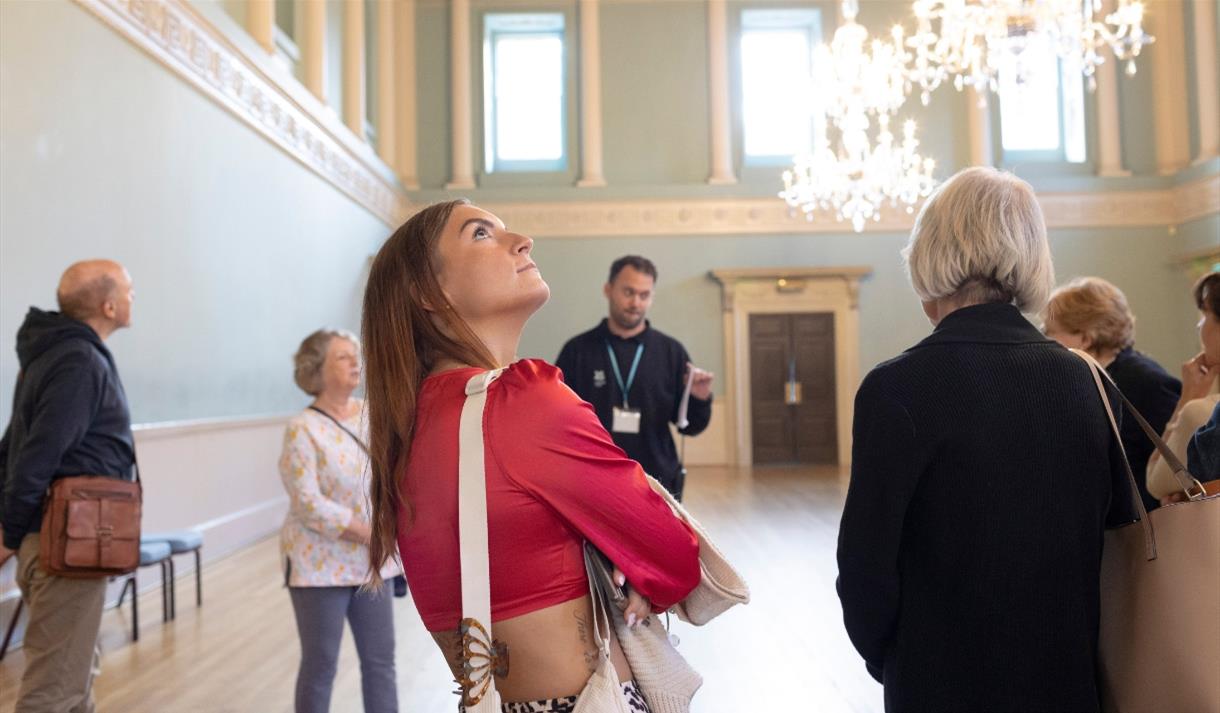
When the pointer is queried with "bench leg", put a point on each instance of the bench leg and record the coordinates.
(198, 578)
(135, 606)
(123, 592)
(173, 598)
(12, 624)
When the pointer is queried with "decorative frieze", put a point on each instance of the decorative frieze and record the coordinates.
(174, 34)
(770, 216)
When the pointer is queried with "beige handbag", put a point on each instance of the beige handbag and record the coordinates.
(481, 655)
(1159, 644)
(666, 680)
(720, 585)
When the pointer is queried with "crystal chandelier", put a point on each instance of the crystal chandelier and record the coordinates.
(856, 179)
(969, 40)
(857, 82)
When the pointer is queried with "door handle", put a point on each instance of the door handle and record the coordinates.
(792, 393)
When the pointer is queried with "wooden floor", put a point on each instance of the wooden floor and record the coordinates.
(785, 651)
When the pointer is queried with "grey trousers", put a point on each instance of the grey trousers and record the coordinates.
(320, 613)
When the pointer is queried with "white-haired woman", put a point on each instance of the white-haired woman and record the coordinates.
(326, 532)
(983, 474)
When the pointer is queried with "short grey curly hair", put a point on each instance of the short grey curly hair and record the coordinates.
(981, 236)
(311, 355)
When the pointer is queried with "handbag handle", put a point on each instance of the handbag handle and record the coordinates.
(1149, 536)
(480, 655)
(600, 602)
(1186, 481)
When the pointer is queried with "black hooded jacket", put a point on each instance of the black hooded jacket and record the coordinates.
(69, 418)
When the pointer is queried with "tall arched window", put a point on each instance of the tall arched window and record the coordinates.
(776, 82)
(1041, 107)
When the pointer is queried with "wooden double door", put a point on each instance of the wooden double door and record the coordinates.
(792, 388)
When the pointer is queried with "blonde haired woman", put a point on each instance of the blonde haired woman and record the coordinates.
(983, 474)
(1090, 313)
(325, 535)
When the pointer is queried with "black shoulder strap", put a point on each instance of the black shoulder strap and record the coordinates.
(345, 429)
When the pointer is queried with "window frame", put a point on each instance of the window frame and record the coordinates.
(545, 172)
(760, 165)
(1048, 162)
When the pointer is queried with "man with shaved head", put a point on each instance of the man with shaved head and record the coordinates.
(69, 418)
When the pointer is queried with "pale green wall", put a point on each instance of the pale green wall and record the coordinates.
(655, 105)
(655, 130)
(432, 90)
(655, 92)
(237, 252)
(687, 303)
(334, 56)
(1192, 238)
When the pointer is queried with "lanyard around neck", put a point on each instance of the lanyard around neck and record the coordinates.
(625, 387)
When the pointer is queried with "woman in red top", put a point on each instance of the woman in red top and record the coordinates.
(448, 296)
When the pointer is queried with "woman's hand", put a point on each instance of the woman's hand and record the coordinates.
(357, 531)
(637, 607)
(1197, 378)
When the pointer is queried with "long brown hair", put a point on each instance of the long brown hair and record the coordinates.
(403, 304)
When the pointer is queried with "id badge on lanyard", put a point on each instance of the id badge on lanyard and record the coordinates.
(626, 419)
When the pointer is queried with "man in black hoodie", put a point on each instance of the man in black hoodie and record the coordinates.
(69, 418)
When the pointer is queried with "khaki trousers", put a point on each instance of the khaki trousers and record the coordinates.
(60, 647)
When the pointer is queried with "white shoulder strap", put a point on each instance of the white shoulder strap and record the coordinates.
(472, 535)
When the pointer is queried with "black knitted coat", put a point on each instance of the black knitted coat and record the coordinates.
(983, 475)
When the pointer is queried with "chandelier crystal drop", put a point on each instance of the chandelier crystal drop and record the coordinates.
(858, 83)
(968, 41)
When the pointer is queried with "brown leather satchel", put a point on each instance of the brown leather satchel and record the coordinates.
(91, 527)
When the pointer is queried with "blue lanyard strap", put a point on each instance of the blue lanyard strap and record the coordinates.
(618, 374)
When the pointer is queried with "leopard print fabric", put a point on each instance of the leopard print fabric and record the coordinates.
(567, 704)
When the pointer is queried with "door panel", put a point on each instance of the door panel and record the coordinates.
(773, 428)
(784, 346)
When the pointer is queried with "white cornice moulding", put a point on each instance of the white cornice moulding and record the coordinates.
(175, 34)
(1196, 199)
(770, 216)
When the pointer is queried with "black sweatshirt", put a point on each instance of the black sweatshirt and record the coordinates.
(656, 392)
(69, 418)
(1154, 393)
(984, 473)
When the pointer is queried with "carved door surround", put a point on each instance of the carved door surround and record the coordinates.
(783, 290)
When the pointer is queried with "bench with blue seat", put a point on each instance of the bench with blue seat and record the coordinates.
(151, 553)
(181, 542)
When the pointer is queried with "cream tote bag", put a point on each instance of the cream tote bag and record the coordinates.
(1159, 644)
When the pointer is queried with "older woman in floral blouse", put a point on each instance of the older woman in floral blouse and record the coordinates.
(326, 532)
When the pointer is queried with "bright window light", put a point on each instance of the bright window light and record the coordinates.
(1029, 106)
(1071, 80)
(776, 81)
(524, 92)
(1043, 111)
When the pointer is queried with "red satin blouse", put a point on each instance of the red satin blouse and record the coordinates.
(554, 479)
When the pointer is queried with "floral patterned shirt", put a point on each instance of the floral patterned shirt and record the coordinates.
(325, 472)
